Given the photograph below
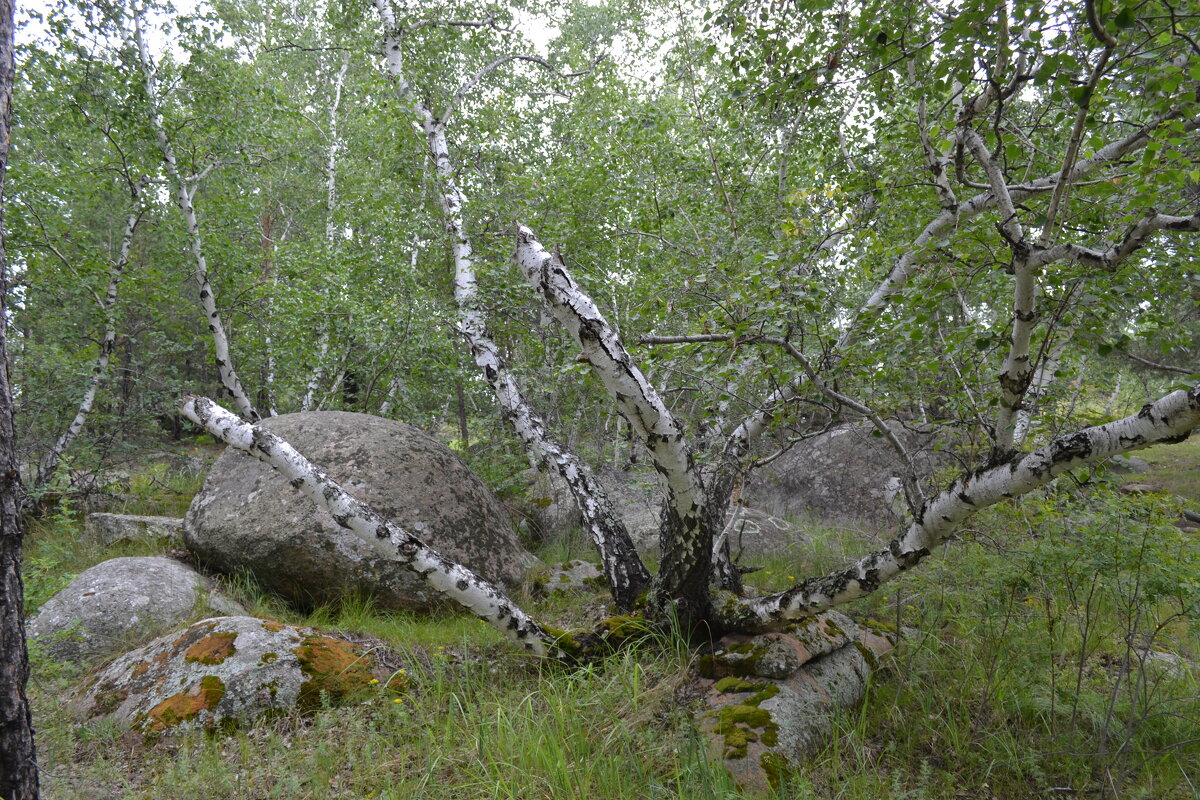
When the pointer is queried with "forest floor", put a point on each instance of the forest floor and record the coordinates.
(1050, 652)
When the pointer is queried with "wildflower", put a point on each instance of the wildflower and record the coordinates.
(398, 700)
(374, 681)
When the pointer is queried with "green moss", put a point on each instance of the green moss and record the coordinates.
(269, 658)
(777, 769)
(867, 653)
(739, 725)
(108, 699)
(744, 663)
(185, 705)
(335, 670)
(734, 685)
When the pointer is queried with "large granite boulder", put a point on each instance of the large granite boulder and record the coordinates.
(249, 517)
(121, 603)
(226, 671)
(848, 475)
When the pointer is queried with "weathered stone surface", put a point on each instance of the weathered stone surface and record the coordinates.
(755, 532)
(248, 517)
(1139, 488)
(846, 476)
(568, 576)
(120, 603)
(770, 699)
(225, 671)
(1129, 464)
(112, 528)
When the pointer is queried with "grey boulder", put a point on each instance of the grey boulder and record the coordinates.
(248, 517)
(847, 475)
(121, 603)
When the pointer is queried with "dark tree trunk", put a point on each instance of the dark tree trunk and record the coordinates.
(18, 765)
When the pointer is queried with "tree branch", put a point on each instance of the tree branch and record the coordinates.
(1167, 421)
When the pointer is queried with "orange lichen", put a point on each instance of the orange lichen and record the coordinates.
(184, 706)
(272, 626)
(334, 669)
(212, 649)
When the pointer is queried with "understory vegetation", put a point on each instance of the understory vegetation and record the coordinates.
(1050, 652)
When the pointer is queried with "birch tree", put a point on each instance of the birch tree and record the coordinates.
(969, 94)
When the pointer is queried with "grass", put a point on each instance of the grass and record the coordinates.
(1175, 468)
(1034, 666)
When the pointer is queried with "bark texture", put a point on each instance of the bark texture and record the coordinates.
(18, 757)
(689, 528)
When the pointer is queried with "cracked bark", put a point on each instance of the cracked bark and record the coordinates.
(18, 754)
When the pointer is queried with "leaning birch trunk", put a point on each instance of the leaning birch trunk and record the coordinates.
(183, 199)
(107, 344)
(1168, 421)
(626, 574)
(690, 528)
(455, 581)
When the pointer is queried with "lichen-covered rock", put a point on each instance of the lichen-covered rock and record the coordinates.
(845, 476)
(120, 603)
(108, 529)
(768, 700)
(248, 517)
(225, 671)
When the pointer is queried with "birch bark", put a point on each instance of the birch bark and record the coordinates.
(183, 198)
(627, 575)
(107, 344)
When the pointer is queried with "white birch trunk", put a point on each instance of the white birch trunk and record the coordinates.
(455, 581)
(1168, 421)
(107, 345)
(331, 236)
(314, 378)
(688, 537)
(183, 198)
(626, 574)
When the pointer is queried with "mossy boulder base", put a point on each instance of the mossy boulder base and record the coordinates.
(248, 517)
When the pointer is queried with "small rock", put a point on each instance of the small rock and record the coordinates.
(1129, 464)
(1138, 488)
(121, 602)
(770, 699)
(109, 529)
(569, 576)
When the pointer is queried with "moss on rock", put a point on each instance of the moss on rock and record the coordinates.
(212, 649)
(335, 669)
(186, 705)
